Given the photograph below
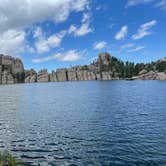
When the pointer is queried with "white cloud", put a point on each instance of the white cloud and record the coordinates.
(84, 29)
(138, 2)
(161, 4)
(37, 33)
(128, 45)
(44, 44)
(69, 56)
(86, 17)
(12, 41)
(144, 30)
(99, 45)
(122, 33)
(22, 13)
(136, 49)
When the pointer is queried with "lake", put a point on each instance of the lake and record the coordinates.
(85, 123)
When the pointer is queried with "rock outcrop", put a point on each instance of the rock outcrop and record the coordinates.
(61, 75)
(151, 75)
(11, 70)
(43, 76)
(30, 76)
(105, 67)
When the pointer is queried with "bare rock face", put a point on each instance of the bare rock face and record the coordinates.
(18, 67)
(144, 75)
(43, 76)
(7, 60)
(98, 76)
(12, 70)
(62, 75)
(104, 59)
(142, 72)
(106, 76)
(161, 76)
(53, 77)
(7, 77)
(80, 75)
(30, 76)
(0, 74)
(72, 74)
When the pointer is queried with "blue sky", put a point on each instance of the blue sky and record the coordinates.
(62, 33)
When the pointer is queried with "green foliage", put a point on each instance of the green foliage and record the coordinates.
(130, 69)
(8, 159)
(161, 66)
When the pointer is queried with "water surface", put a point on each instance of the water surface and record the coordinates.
(85, 123)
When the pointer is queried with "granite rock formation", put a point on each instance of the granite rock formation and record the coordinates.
(43, 76)
(11, 70)
(30, 76)
(105, 67)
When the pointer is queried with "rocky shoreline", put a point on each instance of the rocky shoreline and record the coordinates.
(105, 67)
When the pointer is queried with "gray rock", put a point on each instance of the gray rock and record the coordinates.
(30, 76)
(7, 77)
(106, 76)
(142, 72)
(72, 74)
(0, 74)
(43, 76)
(151, 75)
(53, 77)
(161, 76)
(61, 75)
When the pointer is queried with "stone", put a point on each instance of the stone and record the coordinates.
(151, 75)
(104, 59)
(142, 72)
(43, 76)
(53, 77)
(80, 75)
(72, 74)
(12, 70)
(0, 74)
(61, 75)
(106, 76)
(161, 76)
(18, 67)
(30, 76)
(98, 76)
(7, 77)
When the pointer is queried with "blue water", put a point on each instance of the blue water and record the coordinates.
(85, 123)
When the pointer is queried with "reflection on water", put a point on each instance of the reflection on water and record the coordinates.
(85, 123)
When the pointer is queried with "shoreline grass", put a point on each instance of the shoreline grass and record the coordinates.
(6, 159)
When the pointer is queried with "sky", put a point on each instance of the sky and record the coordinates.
(63, 33)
